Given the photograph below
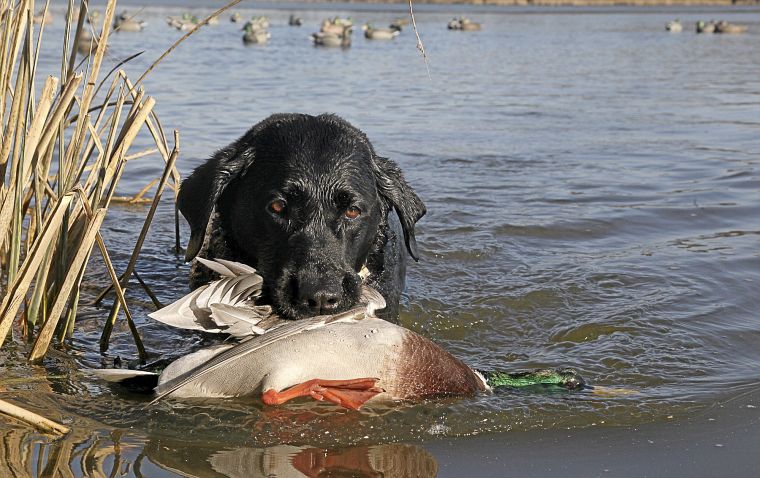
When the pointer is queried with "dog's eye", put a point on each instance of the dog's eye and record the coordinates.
(352, 212)
(277, 206)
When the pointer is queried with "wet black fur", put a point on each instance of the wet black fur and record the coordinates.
(319, 165)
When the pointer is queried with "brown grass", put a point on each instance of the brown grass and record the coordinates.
(63, 150)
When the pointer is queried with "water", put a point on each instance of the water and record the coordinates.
(592, 187)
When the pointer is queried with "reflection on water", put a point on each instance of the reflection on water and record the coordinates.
(27, 455)
(592, 192)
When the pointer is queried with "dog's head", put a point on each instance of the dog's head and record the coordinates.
(304, 199)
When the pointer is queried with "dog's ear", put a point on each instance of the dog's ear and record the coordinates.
(200, 191)
(393, 188)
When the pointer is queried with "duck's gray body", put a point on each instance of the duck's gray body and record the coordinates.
(407, 365)
(371, 33)
(731, 28)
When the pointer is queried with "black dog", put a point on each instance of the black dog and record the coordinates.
(307, 202)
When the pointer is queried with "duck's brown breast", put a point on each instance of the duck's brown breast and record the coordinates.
(427, 370)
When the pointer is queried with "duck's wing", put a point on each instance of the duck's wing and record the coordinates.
(117, 375)
(217, 267)
(252, 345)
(182, 314)
(236, 268)
(373, 299)
(135, 380)
(226, 268)
(193, 311)
(239, 321)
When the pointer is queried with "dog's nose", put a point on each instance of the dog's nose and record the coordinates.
(319, 299)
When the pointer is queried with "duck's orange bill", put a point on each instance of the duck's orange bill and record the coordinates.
(347, 393)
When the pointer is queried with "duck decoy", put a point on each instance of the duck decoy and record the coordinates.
(254, 35)
(126, 23)
(331, 39)
(703, 27)
(372, 33)
(294, 21)
(674, 26)
(464, 24)
(236, 17)
(183, 23)
(731, 28)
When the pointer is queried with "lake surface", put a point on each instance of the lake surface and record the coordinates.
(593, 188)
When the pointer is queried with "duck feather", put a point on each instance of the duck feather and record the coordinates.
(193, 311)
(240, 321)
(217, 267)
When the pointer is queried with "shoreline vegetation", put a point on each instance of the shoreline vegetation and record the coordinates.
(64, 146)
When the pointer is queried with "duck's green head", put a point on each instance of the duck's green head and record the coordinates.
(566, 378)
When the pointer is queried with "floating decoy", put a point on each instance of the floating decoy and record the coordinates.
(236, 17)
(294, 21)
(464, 24)
(331, 39)
(674, 26)
(185, 22)
(725, 27)
(125, 23)
(372, 33)
(255, 35)
(703, 27)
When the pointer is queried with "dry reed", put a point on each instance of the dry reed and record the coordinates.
(63, 150)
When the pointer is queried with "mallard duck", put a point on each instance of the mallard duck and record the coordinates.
(125, 23)
(464, 24)
(294, 21)
(185, 22)
(703, 27)
(372, 33)
(348, 358)
(255, 35)
(236, 17)
(331, 39)
(674, 26)
(725, 27)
